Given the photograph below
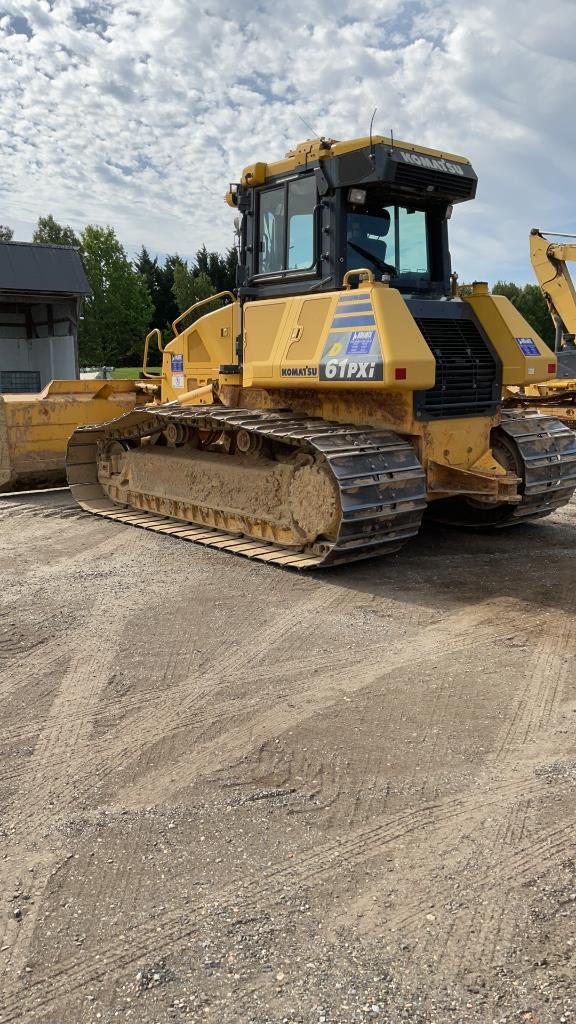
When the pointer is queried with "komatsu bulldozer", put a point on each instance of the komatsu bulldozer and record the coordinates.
(344, 389)
(556, 397)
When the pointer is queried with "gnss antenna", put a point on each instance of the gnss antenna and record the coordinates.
(371, 123)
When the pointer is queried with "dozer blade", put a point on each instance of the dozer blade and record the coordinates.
(34, 428)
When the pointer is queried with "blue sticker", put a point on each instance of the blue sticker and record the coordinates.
(528, 347)
(353, 307)
(177, 362)
(360, 343)
(357, 320)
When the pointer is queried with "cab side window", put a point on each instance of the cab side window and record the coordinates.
(272, 223)
(286, 226)
(301, 203)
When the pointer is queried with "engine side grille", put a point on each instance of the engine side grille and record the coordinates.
(421, 178)
(467, 373)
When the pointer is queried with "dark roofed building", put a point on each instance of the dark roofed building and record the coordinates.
(42, 288)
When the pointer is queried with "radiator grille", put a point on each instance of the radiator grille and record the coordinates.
(467, 374)
(19, 382)
(421, 178)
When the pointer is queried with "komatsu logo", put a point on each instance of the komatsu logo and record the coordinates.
(432, 163)
(299, 371)
(349, 369)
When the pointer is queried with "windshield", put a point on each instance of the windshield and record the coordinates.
(387, 240)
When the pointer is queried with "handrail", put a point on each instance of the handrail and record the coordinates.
(362, 272)
(202, 302)
(157, 332)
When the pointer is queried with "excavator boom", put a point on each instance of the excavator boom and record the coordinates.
(554, 397)
(549, 263)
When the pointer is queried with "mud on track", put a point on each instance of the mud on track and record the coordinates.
(231, 793)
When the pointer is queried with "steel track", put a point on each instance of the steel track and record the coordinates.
(381, 484)
(547, 451)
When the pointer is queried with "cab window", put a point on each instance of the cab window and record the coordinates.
(387, 239)
(272, 217)
(301, 203)
(286, 226)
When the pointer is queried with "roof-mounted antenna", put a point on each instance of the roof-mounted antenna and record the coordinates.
(371, 123)
(309, 126)
(391, 138)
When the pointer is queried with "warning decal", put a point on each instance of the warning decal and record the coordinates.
(528, 346)
(352, 355)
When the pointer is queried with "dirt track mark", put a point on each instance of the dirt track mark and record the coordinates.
(48, 787)
(309, 868)
(182, 706)
(468, 937)
(463, 630)
(473, 939)
(552, 666)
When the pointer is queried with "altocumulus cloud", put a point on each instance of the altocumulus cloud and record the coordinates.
(139, 115)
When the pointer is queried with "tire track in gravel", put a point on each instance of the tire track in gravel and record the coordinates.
(65, 748)
(552, 666)
(469, 938)
(67, 729)
(144, 699)
(532, 713)
(141, 701)
(463, 630)
(181, 706)
(47, 789)
(171, 931)
(473, 937)
(25, 667)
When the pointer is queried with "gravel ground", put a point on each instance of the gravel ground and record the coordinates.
(232, 793)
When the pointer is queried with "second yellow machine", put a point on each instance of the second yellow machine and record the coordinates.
(344, 389)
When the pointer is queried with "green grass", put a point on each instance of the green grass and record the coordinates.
(132, 372)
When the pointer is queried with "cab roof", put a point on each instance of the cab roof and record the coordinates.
(312, 150)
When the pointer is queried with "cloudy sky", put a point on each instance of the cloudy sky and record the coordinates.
(139, 114)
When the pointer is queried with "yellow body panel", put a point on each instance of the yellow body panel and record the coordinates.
(304, 339)
(34, 429)
(319, 341)
(194, 357)
(506, 329)
(354, 356)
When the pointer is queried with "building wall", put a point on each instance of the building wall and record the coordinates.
(52, 358)
(38, 338)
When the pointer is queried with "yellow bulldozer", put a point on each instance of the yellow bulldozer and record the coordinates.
(317, 413)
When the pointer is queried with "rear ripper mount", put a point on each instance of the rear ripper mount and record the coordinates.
(542, 453)
(316, 493)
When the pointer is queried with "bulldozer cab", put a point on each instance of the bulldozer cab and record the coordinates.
(329, 208)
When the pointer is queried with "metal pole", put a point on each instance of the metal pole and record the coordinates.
(558, 334)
